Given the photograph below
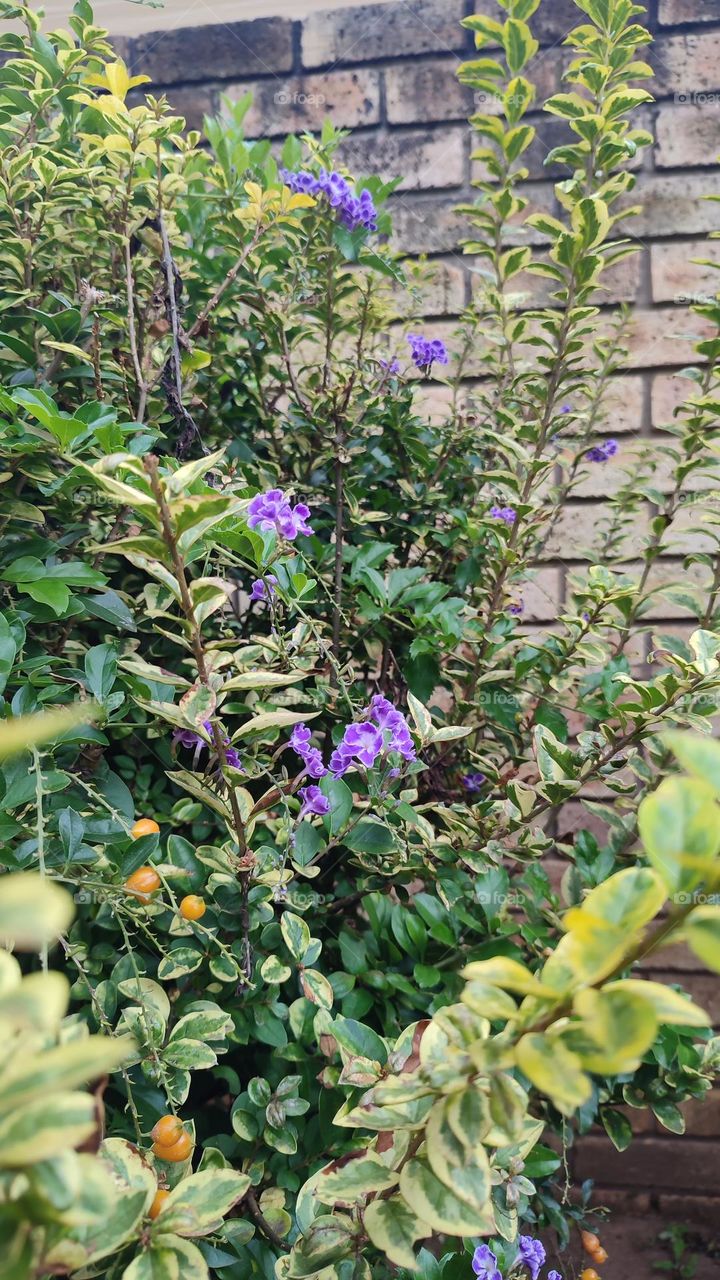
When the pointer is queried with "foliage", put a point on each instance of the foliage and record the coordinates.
(386, 1004)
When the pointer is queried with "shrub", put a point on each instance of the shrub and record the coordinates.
(305, 817)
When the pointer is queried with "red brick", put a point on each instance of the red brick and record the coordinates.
(423, 160)
(420, 92)
(224, 52)
(676, 11)
(301, 103)
(438, 290)
(701, 1210)
(688, 134)
(579, 529)
(664, 336)
(193, 102)
(669, 391)
(678, 277)
(383, 31)
(674, 202)
(574, 817)
(677, 958)
(702, 1115)
(686, 64)
(542, 595)
(654, 1162)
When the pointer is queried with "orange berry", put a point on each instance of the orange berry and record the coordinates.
(192, 907)
(144, 827)
(143, 882)
(176, 1151)
(589, 1274)
(156, 1207)
(590, 1241)
(599, 1255)
(167, 1130)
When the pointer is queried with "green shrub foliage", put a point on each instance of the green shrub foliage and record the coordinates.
(254, 592)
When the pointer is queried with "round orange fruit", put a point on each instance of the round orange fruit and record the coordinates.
(161, 1196)
(144, 827)
(176, 1151)
(192, 907)
(143, 882)
(167, 1130)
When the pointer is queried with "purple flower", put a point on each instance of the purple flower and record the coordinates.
(313, 801)
(531, 1254)
(426, 351)
(516, 608)
(566, 408)
(310, 756)
(484, 1263)
(384, 729)
(474, 781)
(353, 211)
(507, 514)
(393, 723)
(263, 588)
(272, 510)
(187, 738)
(392, 366)
(554, 1275)
(601, 452)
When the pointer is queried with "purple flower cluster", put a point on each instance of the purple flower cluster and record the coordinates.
(313, 801)
(427, 351)
(516, 608)
(353, 211)
(484, 1263)
(386, 729)
(392, 366)
(531, 1254)
(310, 756)
(601, 452)
(474, 781)
(272, 510)
(187, 738)
(263, 589)
(506, 514)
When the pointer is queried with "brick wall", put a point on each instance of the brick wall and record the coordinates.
(386, 71)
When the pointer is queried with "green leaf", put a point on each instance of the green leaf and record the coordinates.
(198, 1204)
(702, 934)
(296, 934)
(437, 1205)
(273, 720)
(394, 1228)
(370, 836)
(673, 1008)
(354, 1180)
(33, 910)
(554, 1070)
(45, 1127)
(698, 754)
(617, 1128)
(168, 1258)
(464, 1171)
(680, 827)
(273, 970)
(670, 1116)
(316, 988)
(621, 1024)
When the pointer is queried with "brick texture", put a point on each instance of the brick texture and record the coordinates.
(386, 71)
(372, 31)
